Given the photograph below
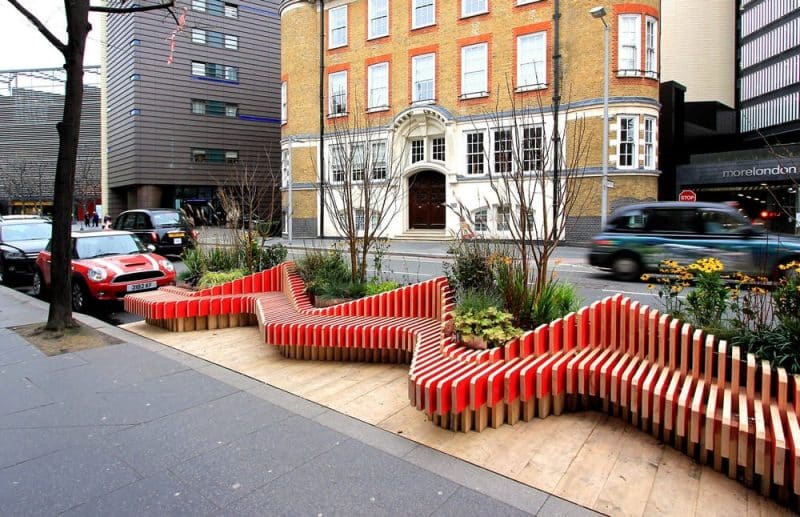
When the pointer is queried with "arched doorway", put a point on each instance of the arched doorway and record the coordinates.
(426, 201)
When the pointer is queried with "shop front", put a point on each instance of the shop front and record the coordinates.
(765, 189)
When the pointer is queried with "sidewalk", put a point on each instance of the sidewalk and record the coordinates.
(140, 428)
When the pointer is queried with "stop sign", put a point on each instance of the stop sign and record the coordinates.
(687, 195)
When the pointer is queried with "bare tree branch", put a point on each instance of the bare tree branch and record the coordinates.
(62, 47)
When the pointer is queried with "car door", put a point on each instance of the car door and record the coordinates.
(673, 233)
(726, 233)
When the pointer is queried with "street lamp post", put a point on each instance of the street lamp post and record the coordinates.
(600, 13)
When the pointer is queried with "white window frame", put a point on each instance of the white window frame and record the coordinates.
(231, 73)
(336, 166)
(536, 162)
(378, 161)
(198, 69)
(649, 143)
(284, 103)
(337, 27)
(651, 47)
(438, 150)
(231, 156)
(631, 139)
(474, 7)
(629, 41)
(417, 7)
(199, 5)
(478, 166)
(285, 167)
(474, 71)
(231, 10)
(497, 152)
(378, 86)
(480, 219)
(378, 19)
(416, 71)
(334, 80)
(502, 218)
(532, 61)
(416, 150)
(198, 106)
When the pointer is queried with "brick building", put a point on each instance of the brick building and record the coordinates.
(450, 97)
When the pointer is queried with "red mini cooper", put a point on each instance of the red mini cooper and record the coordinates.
(106, 265)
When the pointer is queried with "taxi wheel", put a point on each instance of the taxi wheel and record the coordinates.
(38, 289)
(80, 296)
(626, 267)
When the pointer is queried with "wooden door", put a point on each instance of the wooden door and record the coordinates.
(426, 200)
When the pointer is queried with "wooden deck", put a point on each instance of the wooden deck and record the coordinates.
(589, 458)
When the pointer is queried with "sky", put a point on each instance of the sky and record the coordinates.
(24, 47)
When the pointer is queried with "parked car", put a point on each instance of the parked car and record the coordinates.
(22, 237)
(165, 228)
(106, 265)
(638, 237)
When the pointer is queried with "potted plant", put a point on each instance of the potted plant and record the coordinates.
(485, 328)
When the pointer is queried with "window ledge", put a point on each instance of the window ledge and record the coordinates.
(337, 115)
(473, 95)
(378, 37)
(530, 88)
(426, 102)
(472, 15)
(423, 26)
(377, 109)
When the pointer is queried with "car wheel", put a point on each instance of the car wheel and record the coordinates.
(80, 296)
(38, 289)
(626, 267)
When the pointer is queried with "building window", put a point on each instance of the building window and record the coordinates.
(474, 153)
(358, 161)
(532, 146)
(531, 61)
(649, 143)
(417, 151)
(135, 77)
(629, 41)
(438, 149)
(214, 156)
(626, 151)
(359, 219)
(285, 167)
(337, 163)
(215, 71)
(480, 219)
(474, 71)
(231, 42)
(473, 7)
(423, 13)
(284, 105)
(135, 43)
(214, 108)
(199, 5)
(379, 160)
(378, 86)
(378, 18)
(199, 36)
(651, 47)
(422, 77)
(231, 10)
(503, 218)
(337, 93)
(502, 151)
(337, 27)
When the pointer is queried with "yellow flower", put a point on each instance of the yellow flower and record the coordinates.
(645, 278)
(651, 286)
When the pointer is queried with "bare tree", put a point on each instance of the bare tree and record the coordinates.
(78, 27)
(522, 186)
(251, 202)
(28, 182)
(363, 186)
(87, 183)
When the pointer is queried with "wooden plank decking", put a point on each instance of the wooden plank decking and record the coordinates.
(590, 458)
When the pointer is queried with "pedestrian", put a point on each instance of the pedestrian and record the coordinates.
(95, 219)
(107, 222)
(86, 220)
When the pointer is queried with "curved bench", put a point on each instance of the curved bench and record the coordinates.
(714, 402)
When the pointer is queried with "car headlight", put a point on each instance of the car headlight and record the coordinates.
(96, 274)
(14, 255)
(166, 264)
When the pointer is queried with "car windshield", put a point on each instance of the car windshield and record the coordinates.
(26, 232)
(162, 219)
(107, 245)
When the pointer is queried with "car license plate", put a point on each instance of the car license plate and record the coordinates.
(177, 241)
(141, 287)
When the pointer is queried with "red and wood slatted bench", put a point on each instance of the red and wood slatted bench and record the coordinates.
(694, 392)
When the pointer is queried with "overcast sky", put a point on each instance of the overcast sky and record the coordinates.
(24, 47)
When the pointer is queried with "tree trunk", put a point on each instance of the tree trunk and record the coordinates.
(60, 316)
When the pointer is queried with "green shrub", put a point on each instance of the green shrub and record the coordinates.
(323, 271)
(212, 278)
(477, 300)
(513, 287)
(556, 300)
(471, 267)
(376, 286)
(491, 324)
(340, 289)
